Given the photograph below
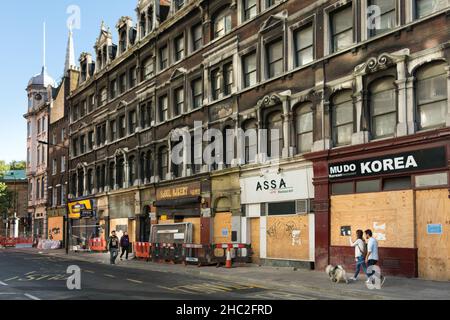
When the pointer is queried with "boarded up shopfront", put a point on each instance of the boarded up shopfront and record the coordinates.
(279, 222)
(183, 203)
(403, 198)
(122, 213)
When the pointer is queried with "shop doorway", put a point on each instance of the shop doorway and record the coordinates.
(432, 234)
(255, 239)
(144, 225)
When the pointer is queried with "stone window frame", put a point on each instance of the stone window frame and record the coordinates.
(327, 12)
(309, 20)
(365, 33)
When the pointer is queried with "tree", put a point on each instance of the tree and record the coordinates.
(17, 165)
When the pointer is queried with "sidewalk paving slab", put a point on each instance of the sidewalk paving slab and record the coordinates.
(395, 288)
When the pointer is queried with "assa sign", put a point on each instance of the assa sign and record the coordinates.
(398, 163)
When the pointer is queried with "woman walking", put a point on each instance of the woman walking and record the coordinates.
(360, 253)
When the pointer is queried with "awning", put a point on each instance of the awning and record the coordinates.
(174, 203)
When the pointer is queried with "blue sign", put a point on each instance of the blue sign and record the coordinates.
(434, 228)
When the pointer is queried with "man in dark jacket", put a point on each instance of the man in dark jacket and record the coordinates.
(125, 245)
(113, 247)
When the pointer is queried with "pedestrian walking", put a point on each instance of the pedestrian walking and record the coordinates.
(360, 253)
(113, 247)
(372, 256)
(125, 245)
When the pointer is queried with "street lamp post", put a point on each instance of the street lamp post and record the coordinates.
(66, 233)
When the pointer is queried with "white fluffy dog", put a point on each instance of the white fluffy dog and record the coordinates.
(336, 273)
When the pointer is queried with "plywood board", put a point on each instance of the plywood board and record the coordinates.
(196, 228)
(56, 228)
(288, 237)
(255, 239)
(390, 216)
(433, 207)
(222, 227)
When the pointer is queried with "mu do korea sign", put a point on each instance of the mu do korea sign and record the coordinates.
(397, 163)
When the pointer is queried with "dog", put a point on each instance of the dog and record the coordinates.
(336, 273)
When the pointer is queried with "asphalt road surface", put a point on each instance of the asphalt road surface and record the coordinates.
(25, 276)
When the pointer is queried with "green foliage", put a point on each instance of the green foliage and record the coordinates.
(6, 198)
(17, 165)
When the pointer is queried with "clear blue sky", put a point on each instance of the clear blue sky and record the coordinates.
(21, 53)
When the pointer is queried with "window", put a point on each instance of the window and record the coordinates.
(341, 23)
(42, 188)
(387, 18)
(178, 101)
(270, 3)
(275, 59)
(28, 129)
(63, 163)
(197, 37)
(179, 48)
(163, 109)
(432, 180)
(131, 170)
(342, 117)
(123, 41)
(122, 126)
(112, 178)
(142, 25)
(74, 117)
(63, 194)
(54, 198)
(132, 77)
(383, 108)
(249, 10)
(342, 188)
(54, 167)
(113, 130)
(222, 24)
(281, 208)
(63, 134)
(113, 89)
(197, 93)
(147, 70)
(54, 138)
(431, 96)
(90, 181)
(148, 166)
(251, 140)
(146, 115)
(304, 127)
(275, 135)
(249, 66)
(38, 187)
(304, 45)
(368, 186)
(123, 83)
(82, 144)
(120, 172)
(39, 126)
(91, 141)
(426, 7)
(227, 79)
(91, 103)
(103, 96)
(132, 121)
(83, 108)
(101, 134)
(74, 148)
(163, 58)
(163, 163)
(215, 84)
(397, 184)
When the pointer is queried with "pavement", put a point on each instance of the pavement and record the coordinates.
(241, 282)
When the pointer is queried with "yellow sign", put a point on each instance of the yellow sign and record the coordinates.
(76, 207)
(164, 218)
(192, 189)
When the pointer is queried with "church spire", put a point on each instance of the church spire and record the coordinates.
(70, 54)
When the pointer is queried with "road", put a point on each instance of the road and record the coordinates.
(26, 276)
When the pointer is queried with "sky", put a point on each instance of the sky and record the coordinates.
(21, 53)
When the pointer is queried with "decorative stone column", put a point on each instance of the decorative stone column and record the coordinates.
(402, 125)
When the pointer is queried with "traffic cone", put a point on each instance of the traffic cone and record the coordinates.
(228, 262)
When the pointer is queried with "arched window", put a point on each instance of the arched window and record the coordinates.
(90, 181)
(304, 125)
(103, 177)
(73, 184)
(131, 170)
(98, 177)
(112, 178)
(228, 146)
(250, 128)
(80, 176)
(275, 134)
(431, 96)
(142, 172)
(342, 118)
(383, 108)
(149, 166)
(38, 186)
(120, 172)
(163, 163)
(221, 23)
(177, 168)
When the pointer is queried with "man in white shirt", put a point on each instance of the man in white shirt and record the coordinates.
(372, 254)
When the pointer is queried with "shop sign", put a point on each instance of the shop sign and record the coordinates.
(178, 192)
(275, 187)
(397, 163)
(81, 209)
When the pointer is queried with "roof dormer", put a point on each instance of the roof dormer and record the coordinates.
(87, 66)
(127, 33)
(105, 49)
